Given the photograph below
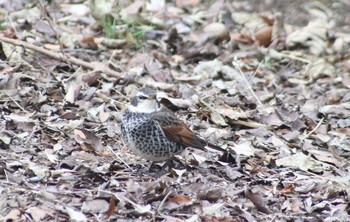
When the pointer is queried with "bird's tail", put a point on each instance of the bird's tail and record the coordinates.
(214, 147)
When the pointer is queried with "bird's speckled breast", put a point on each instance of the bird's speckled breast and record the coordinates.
(145, 137)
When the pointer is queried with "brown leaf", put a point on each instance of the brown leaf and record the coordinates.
(178, 201)
(111, 207)
(88, 140)
(243, 37)
(263, 36)
(89, 43)
(258, 202)
(181, 199)
(211, 194)
(267, 20)
(91, 78)
(288, 189)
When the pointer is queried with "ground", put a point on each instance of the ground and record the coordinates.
(268, 81)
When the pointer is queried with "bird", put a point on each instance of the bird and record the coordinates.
(153, 132)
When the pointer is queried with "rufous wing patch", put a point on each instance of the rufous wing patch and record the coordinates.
(181, 134)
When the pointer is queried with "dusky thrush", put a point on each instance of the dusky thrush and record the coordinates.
(153, 132)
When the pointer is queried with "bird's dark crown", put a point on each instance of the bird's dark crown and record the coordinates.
(148, 91)
(142, 94)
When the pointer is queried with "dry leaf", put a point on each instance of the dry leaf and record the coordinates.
(263, 36)
(76, 215)
(303, 162)
(214, 209)
(95, 206)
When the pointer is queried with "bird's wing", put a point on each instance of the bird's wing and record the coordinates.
(177, 130)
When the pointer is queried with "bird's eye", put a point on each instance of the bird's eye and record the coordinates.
(142, 97)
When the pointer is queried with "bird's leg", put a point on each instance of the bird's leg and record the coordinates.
(152, 167)
(179, 163)
(159, 171)
(151, 170)
(168, 165)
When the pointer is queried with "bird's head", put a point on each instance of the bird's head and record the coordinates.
(145, 101)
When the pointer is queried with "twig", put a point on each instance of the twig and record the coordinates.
(162, 203)
(293, 57)
(11, 23)
(314, 129)
(65, 58)
(95, 66)
(251, 124)
(16, 103)
(10, 69)
(137, 206)
(119, 157)
(238, 66)
(34, 130)
(256, 71)
(45, 14)
(281, 55)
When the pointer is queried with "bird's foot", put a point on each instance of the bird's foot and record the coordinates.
(158, 170)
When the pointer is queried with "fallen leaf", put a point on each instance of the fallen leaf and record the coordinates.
(38, 213)
(217, 118)
(288, 189)
(263, 36)
(232, 113)
(342, 110)
(131, 14)
(303, 162)
(75, 215)
(217, 30)
(210, 194)
(95, 206)
(15, 215)
(318, 68)
(181, 199)
(258, 201)
(245, 149)
(214, 209)
(111, 207)
(313, 36)
(142, 209)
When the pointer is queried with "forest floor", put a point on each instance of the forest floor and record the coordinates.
(266, 80)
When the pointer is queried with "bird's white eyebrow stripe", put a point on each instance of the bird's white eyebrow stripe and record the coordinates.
(140, 94)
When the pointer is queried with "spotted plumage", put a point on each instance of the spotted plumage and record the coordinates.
(153, 132)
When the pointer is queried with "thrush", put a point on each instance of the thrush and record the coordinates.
(153, 132)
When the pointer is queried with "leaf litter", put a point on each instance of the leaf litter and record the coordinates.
(269, 83)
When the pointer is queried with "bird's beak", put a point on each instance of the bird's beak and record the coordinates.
(152, 97)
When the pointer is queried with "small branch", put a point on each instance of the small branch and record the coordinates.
(65, 58)
(45, 14)
(119, 158)
(280, 55)
(162, 203)
(314, 129)
(251, 124)
(16, 102)
(236, 63)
